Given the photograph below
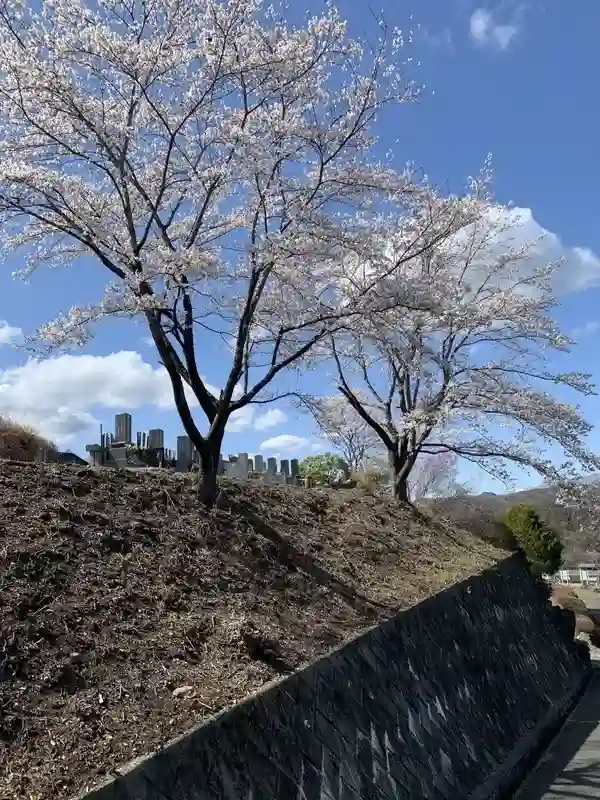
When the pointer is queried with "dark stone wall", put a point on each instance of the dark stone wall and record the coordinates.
(446, 700)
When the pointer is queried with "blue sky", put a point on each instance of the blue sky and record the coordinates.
(514, 79)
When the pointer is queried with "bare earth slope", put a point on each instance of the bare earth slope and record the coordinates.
(127, 614)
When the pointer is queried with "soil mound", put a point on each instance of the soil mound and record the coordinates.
(127, 613)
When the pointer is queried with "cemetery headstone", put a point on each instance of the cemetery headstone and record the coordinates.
(184, 453)
(244, 464)
(119, 455)
(123, 428)
(156, 438)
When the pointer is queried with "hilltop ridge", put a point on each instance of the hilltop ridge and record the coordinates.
(480, 513)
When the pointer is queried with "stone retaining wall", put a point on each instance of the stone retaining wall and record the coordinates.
(449, 699)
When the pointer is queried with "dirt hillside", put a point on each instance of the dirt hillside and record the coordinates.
(127, 615)
(479, 513)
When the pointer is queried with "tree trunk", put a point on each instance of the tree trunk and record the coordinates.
(208, 489)
(400, 469)
(400, 488)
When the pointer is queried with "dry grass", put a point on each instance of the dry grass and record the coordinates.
(116, 590)
(369, 479)
(21, 442)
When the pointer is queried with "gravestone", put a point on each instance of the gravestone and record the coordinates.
(285, 466)
(123, 428)
(235, 469)
(243, 464)
(259, 464)
(119, 455)
(272, 466)
(184, 453)
(155, 456)
(96, 452)
(273, 478)
(156, 438)
(294, 467)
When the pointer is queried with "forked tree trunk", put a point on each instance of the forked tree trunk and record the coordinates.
(400, 489)
(400, 469)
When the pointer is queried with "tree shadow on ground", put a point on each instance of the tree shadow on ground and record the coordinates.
(570, 767)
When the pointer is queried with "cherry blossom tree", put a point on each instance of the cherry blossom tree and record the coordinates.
(468, 377)
(435, 476)
(343, 428)
(217, 163)
(361, 447)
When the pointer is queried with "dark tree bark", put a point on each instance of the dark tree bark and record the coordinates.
(210, 452)
(401, 465)
(400, 489)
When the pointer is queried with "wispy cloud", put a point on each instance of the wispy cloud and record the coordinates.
(438, 40)
(587, 329)
(9, 334)
(487, 32)
(274, 416)
(285, 443)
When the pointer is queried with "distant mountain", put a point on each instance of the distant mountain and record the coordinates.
(481, 513)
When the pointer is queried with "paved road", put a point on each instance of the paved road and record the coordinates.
(571, 766)
(589, 597)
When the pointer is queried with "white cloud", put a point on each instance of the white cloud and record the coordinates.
(62, 426)
(440, 40)
(55, 394)
(8, 334)
(240, 420)
(579, 266)
(271, 418)
(285, 443)
(486, 32)
(288, 445)
(587, 329)
(321, 447)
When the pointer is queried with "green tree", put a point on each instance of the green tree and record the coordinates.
(324, 468)
(540, 544)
